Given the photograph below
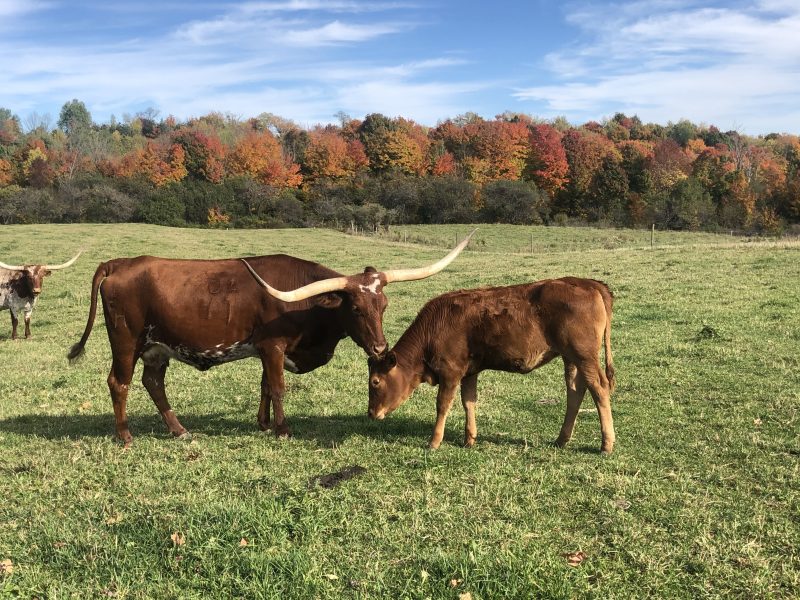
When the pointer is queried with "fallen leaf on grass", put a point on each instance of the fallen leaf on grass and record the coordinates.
(6, 566)
(621, 503)
(424, 574)
(465, 596)
(455, 582)
(757, 422)
(575, 558)
(178, 539)
(331, 576)
(114, 519)
(547, 401)
(242, 543)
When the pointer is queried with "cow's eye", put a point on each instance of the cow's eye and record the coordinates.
(356, 310)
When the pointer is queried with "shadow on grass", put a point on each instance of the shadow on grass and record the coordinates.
(324, 430)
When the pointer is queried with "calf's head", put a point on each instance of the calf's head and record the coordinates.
(389, 385)
(359, 299)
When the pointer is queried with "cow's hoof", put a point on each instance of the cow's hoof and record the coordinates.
(560, 443)
(469, 442)
(434, 445)
(283, 432)
(186, 436)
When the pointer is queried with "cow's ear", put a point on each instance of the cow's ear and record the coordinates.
(370, 270)
(391, 359)
(329, 300)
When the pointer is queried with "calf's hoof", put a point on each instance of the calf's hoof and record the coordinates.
(186, 436)
(264, 425)
(434, 445)
(469, 442)
(283, 432)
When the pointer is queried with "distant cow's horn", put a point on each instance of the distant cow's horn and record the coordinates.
(333, 284)
(65, 265)
(11, 267)
(423, 272)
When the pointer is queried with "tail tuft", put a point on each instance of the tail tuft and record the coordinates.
(75, 353)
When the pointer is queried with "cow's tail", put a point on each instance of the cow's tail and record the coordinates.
(608, 301)
(103, 271)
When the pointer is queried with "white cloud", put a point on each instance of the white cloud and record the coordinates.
(336, 32)
(731, 67)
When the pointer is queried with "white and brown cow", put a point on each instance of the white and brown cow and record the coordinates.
(20, 287)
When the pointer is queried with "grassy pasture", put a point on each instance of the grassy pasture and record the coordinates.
(701, 497)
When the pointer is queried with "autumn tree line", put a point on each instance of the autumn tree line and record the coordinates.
(219, 170)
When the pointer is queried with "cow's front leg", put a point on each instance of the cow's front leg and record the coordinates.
(14, 323)
(469, 398)
(272, 390)
(27, 318)
(447, 391)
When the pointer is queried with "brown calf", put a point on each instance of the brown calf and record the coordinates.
(517, 329)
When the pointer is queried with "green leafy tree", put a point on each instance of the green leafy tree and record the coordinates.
(74, 116)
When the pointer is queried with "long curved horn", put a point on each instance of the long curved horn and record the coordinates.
(65, 265)
(11, 267)
(423, 272)
(323, 286)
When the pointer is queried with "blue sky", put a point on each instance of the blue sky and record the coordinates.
(734, 64)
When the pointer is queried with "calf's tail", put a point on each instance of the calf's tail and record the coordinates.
(103, 271)
(608, 301)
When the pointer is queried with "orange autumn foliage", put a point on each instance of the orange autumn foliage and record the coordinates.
(259, 155)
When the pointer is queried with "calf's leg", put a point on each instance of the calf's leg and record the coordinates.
(599, 388)
(153, 381)
(469, 398)
(576, 389)
(444, 398)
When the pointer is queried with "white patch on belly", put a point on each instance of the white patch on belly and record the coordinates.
(157, 353)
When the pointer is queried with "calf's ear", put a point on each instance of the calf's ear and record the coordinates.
(331, 300)
(391, 359)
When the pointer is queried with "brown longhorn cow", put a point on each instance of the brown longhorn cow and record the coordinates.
(209, 312)
(20, 287)
(517, 329)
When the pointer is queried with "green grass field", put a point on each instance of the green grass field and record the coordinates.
(701, 497)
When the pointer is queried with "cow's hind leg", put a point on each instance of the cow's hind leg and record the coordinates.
(264, 406)
(27, 317)
(119, 380)
(599, 387)
(469, 398)
(576, 389)
(153, 381)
